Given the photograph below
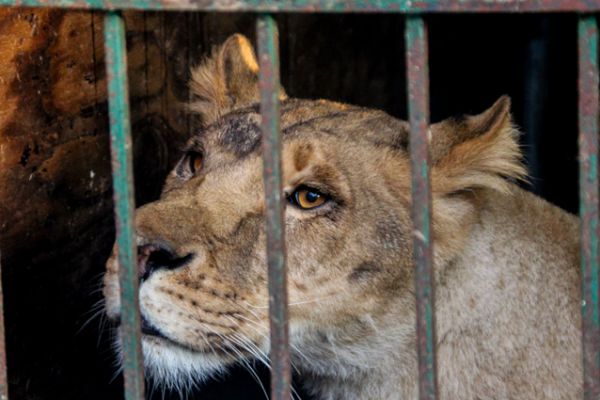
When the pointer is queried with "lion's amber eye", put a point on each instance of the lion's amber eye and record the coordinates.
(195, 162)
(306, 198)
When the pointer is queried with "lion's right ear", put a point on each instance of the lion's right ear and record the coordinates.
(226, 80)
(477, 151)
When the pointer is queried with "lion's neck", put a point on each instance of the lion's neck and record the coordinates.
(374, 385)
(377, 361)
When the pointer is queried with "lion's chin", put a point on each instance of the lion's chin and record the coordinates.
(177, 367)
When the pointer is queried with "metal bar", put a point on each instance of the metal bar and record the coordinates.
(120, 142)
(268, 57)
(588, 207)
(335, 6)
(3, 370)
(417, 67)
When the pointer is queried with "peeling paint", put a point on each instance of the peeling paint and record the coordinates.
(588, 197)
(122, 165)
(332, 6)
(268, 58)
(417, 69)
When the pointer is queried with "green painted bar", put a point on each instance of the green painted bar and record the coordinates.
(417, 69)
(122, 166)
(335, 6)
(268, 58)
(588, 197)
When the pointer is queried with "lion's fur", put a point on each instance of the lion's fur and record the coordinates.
(506, 275)
(231, 67)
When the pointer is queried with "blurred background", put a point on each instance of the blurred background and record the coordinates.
(56, 221)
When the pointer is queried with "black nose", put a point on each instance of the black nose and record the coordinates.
(154, 257)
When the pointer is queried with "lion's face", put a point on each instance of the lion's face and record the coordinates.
(202, 248)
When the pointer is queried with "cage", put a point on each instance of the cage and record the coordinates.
(57, 197)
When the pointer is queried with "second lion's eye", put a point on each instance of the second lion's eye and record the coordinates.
(307, 198)
(195, 161)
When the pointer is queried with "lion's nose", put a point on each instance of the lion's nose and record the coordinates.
(152, 257)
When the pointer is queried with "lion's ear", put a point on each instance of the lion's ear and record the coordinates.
(476, 151)
(226, 80)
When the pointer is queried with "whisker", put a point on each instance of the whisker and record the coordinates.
(97, 312)
(296, 303)
(256, 325)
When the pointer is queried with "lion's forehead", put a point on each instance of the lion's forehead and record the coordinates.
(239, 133)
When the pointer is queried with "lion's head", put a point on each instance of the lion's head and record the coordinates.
(201, 246)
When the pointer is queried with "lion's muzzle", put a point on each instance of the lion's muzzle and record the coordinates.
(153, 257)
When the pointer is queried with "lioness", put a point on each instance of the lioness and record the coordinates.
(506, 262)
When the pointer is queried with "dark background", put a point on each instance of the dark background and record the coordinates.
(50, 288)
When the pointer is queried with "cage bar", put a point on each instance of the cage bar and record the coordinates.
(335, 6)
(122, 167)
(588, 198)
(3, 370)
(417, 69)
(268, 57)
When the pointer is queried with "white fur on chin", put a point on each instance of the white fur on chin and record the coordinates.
(175, 367)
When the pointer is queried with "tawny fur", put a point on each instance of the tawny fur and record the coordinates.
(231, 67)
(506, 262)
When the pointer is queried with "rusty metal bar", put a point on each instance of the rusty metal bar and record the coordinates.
(588, 198)
(122, 167)
(417, 67)
(334, 6)
(268, 57)
(3, 370)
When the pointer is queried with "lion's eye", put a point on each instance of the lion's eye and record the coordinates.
(195, 161)
(306, 198)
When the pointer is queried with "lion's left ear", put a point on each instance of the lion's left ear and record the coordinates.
(476, 151)
(226, 80)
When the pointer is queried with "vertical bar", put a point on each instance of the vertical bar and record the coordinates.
(268, 56)
(417, 66)
(3, 371)
(588, 197)
(120, 141)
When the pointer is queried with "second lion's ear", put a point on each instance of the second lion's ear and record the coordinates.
(226, 80)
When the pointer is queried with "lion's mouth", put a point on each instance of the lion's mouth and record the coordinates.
(219, 346)
(149, 331)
